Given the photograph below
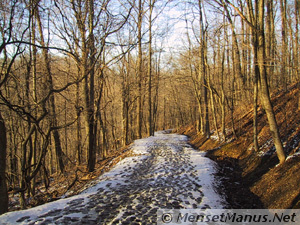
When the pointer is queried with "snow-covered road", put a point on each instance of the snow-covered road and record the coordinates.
(166, 173)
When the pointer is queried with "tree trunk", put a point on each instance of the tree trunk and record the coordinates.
(270, 40)
(284, 50)
(156, 94)
(125, 104)
(223, 114)
(202, 71)
(139, 77)
(255, 97)
(34, 91)
(56, 136)
(214, 112)
(90, 114)
(104, 137)
(236, 50)
(78, 127)
(221, 62)
(3, 187)
(264, 89)
(150, 116)
(125, 121)
(24, 167)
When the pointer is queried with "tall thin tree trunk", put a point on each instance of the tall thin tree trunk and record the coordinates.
(255, 83)
(284, 70)
(202, 71)
(91, 136)
(236, 50)
(221, 63)
(104, 135)
(3, 187)
(27, 95)
(255, 98)
(244, 51)
(223, 114)
(56, 136)
(100, 150)
(214, 112)
(78, 127)
(270, 39)
(34, 160)
(125, 104)
(156, 94)
(24, 171)
(34, 93)
(232, 89)
(139, 76)
(150, 117)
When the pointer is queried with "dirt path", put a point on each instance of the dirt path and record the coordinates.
(166, 173)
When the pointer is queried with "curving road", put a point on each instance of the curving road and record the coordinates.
(165, 173)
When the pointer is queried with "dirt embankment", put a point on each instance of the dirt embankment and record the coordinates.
(253, 179)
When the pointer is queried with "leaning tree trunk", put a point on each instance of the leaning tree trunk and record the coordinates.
(264, 89)
(3, 187)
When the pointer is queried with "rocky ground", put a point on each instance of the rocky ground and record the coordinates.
(166, 173)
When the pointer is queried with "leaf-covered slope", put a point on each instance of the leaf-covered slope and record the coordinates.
(248, 171)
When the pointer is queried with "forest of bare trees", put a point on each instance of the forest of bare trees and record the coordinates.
(82, 77)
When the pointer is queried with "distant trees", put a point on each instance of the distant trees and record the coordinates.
(244, 57)
(256, 22)
(81, 77)
(203, 70)
(60, 85)
(87, 47)
(259, 47)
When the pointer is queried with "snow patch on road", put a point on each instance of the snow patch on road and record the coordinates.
(206, 168)
(165, 172)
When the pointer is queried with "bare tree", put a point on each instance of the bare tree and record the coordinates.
(257, 17)
(3, 187)
(140, 70)
(284, 44)
(49, 85)
(150, 116)
(89, 91)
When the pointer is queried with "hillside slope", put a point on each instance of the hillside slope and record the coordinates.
(254, 179)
